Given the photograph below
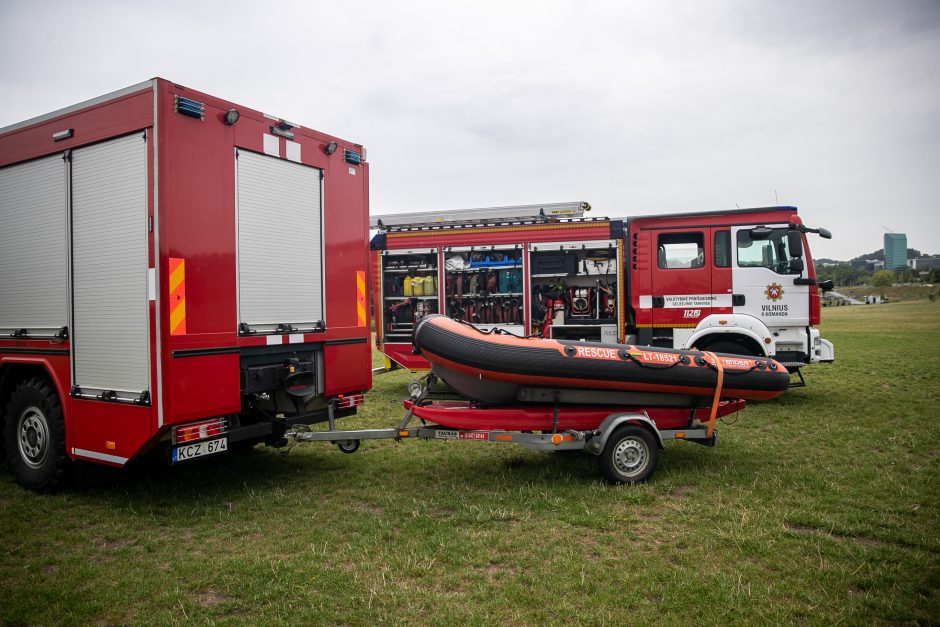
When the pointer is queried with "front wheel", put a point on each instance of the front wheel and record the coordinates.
(34, 435)
(630, 455)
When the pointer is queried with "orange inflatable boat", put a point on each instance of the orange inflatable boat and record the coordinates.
(499, 368)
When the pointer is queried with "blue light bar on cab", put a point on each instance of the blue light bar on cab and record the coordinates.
(190, 108)
(353, 157)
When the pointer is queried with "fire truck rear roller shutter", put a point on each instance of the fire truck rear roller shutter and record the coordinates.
(33, 264)
(279, 243)
(109, 267)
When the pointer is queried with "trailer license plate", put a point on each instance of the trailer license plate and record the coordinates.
(199, 449)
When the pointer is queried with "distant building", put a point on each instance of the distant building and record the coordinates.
(925, 263)
(895, 251)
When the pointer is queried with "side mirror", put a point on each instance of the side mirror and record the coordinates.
(826, 286)
(796, 266)
(825, 234)
(760, 232)
(795, 244)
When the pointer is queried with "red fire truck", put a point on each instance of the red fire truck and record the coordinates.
(177, 272)
(739, 281)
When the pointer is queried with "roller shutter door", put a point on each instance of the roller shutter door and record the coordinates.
(33, 247)
(280, 268)
(110, 314)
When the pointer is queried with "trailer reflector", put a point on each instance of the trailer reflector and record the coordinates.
(353, 400)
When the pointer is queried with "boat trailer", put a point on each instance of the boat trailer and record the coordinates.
(626, 443)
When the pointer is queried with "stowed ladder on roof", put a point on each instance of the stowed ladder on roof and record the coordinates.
(519, 213)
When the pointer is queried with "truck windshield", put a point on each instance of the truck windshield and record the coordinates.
(768, 253)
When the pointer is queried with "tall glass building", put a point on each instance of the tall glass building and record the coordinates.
(895, 250)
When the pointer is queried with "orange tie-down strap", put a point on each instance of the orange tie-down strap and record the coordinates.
(715, 401)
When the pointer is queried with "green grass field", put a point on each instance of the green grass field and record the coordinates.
(819, 507)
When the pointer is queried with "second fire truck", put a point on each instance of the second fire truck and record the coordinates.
(739, 281)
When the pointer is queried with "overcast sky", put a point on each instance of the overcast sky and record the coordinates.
(638, 108)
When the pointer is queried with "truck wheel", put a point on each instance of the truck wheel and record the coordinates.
(630, 455)
(34, 435)
(348, 446)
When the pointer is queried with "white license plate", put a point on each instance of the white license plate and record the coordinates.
(199, 449)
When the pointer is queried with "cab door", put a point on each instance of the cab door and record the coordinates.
(681, 278)
(763, 278)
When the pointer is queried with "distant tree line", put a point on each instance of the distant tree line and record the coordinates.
(849, 273)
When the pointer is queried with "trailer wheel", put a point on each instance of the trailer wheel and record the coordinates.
(630, 455)
(348, 446)
(34, 435)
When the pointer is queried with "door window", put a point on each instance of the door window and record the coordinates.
(769, 252)
(681, 250)
(723, 249)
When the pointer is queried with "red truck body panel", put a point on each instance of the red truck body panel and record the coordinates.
(192, 189)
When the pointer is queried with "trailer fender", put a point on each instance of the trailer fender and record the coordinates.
(596, 444)
(734, 324)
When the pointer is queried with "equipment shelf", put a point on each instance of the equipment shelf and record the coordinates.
(409, 297)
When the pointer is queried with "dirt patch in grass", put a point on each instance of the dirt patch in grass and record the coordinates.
(210, 598)
(683, 491)
(368, 508)
(497, 569)
(113, 545)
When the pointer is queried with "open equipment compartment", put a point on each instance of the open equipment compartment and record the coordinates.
(575, 290)
(486, 275)
(410, 288)
(484, 286)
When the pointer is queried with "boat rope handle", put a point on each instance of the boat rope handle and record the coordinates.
(717, 399)
(498, 331)
(758, 365)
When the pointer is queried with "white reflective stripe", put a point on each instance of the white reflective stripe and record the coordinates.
(293, 151)
(296, 338)
(272, 340)
(684, 301)
(272, 145)
(152, 284)
(114, 459)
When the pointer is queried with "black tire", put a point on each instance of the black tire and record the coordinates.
(348, 446)
(630, 455)
(34, 435)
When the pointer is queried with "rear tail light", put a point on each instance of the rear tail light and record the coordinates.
(199, 430)
(353, 400)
